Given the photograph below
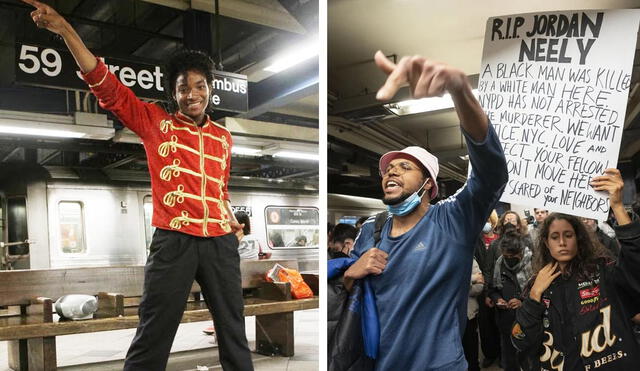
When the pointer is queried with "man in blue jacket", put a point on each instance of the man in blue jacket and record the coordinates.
(421, 268)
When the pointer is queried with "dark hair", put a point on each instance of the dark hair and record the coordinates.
(590, 250)
(181, 62)
(511, 241)
(275, 240)
(243, 218)
(343, 231)
(362, 220)
(500, 226)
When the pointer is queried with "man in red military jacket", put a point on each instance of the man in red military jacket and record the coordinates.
(189, 158)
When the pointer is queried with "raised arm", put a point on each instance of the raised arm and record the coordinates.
(612, 183)
(626, 272)
(427, 78)
(46, 17)
(111, 93)
(472, 203)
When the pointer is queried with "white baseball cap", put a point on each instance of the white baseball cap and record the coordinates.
(419, 154)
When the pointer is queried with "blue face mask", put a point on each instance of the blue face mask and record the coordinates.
(409, 204)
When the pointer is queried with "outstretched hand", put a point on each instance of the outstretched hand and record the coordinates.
(426, 78)
(46, 17)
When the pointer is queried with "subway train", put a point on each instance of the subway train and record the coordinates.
(78, 217)
(348, 209)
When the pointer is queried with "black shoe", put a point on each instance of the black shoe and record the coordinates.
(487, 362)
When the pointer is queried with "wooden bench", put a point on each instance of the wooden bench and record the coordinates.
(30, 326)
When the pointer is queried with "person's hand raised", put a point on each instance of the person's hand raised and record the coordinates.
(612, 183)
(46, 17)
(426, 78)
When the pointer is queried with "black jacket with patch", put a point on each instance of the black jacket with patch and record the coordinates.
(587, 319)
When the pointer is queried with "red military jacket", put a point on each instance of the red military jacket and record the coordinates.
(189, 165)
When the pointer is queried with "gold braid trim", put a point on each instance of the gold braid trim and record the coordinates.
(179, 221)
(166, 148)
(184, 220)
(179, 195)
(171, 170)
(101, 81)
(175, 170)
(166, 125)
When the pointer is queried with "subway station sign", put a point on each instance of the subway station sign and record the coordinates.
(48, 67)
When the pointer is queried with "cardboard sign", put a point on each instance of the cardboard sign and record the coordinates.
(555, 86)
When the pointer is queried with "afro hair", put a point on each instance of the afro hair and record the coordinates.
(179, 64)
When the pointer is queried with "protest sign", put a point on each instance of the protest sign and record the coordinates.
(555, 86)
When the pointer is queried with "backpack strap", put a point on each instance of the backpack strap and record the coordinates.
(381, 218)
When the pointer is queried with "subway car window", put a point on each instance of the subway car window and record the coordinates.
(71, 227)
(17, 224)
(292, 227)
(147, 204)
(349, 219)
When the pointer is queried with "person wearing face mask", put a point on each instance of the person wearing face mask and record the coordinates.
(510, 275)
(419, 270)
(197, 236)
(578, 306)
(509, 219)
(342, 237)
(489, 334)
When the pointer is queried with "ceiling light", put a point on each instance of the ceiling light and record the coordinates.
(40, 132)
(240, 150)
(297, 155)
(58, 126)
(413, 106)
(293, 56)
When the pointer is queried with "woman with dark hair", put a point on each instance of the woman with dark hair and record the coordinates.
(249, 247)
(189, 158)
(509, 217)
(577, 310)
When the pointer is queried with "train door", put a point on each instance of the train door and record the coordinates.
(15, 254)
(147, 215)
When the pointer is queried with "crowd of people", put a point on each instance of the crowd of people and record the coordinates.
(512, 254)
(559, 294)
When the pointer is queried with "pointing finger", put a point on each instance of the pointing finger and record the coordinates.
(383, 62)
(395, 80)
(34, 3)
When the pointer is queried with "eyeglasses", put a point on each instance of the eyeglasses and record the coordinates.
(400, 168)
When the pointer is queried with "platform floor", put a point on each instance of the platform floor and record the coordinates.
(191, 348)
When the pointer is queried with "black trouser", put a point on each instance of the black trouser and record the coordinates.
(510, 355)
(175, 260)
(489, 334)
(470, 344)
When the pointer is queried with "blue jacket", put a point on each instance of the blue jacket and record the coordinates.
(422, 294)
(364, 305)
